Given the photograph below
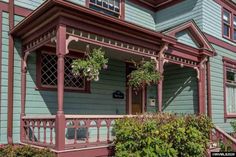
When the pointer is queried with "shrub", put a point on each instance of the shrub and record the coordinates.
(24, 151)
(162, 135)
(233, 125)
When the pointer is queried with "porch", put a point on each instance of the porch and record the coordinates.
(68, 116)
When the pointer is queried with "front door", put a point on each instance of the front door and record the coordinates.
(135, 103)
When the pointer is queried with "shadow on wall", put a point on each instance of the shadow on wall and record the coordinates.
(180, 89)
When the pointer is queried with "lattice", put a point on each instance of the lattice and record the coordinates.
(49, 72)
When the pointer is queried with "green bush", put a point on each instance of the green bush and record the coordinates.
(162, 135)
(24, 151)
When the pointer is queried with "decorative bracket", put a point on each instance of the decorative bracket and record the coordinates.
(24, 62)
(68, 40)
(201, 66)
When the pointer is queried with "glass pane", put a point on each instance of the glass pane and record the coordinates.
(230, 99)
(226, 30)
(230, 76)
(234, 21)
(226, 16)
(234, 34)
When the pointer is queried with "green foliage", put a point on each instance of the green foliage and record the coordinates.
(162, 135)
(225, 146)
(24, 151)
(233, 125)
(91, 66)
(145, 74)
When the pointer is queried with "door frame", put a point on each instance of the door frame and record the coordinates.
(129, 93)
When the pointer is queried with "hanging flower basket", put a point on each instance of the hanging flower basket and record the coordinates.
(145, 74)
(91, 66)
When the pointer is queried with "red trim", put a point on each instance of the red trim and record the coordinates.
(209, 104)
(220, 43)
(10, 74)
(39, 86)
(0, 64)
(227, 62)
(99, 152)
(195, 33)
(18, 10)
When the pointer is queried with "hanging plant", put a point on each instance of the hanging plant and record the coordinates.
(91, 66)
(145, 74)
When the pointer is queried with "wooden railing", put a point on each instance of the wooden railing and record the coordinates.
(80, 130)
(219, 136)
(89, 130)
(39, 130)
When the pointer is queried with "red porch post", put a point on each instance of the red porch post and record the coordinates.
(160, 85)
(161, 70)
(60, 117)
(23, 94)
(202, 87)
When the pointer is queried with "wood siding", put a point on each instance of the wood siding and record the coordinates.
(4, 74)
(180, 89)
(138, 15)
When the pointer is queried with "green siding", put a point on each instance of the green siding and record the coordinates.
(152, 94)
(80, 2)
(180, 89)
(179, 13)
(99, 101)
(29, 4)
(138, 15)
(217, 87)
(185, 37)
(212, 20)
(4, 73)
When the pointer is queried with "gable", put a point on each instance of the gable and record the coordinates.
(189, 34)
(186, 38)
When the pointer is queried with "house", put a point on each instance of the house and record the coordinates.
(43, 104)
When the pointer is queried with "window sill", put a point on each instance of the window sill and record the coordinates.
(230, 115)
(65, 90)
(229, 39)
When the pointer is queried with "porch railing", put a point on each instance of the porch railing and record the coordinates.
(80, 130)
(89, 130)
(39, 130)
(221, 137)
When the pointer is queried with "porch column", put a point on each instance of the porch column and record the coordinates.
(160, 86)
(23, 94)
(202, 86)
(161, 70)
(60, 117)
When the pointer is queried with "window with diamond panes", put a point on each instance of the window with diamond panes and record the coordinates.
(48, 67)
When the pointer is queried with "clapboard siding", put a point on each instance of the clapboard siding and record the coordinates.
(212, 20)
(99, 101)
(29, 4)
(138, 15)
(4, 73)
(217, 90)
(179, 13)
(80, 2)
(180, 93)
(184, 37)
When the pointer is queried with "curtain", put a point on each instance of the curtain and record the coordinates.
(230, 99)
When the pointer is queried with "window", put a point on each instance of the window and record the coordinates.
(230, 87)
(109, 7)
(234, 30)
(226, 23)
(47, 74)
(229, 24)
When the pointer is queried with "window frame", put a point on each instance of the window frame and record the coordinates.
(227, 63)
(52, 50)
(232, 28)
(121, 11)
